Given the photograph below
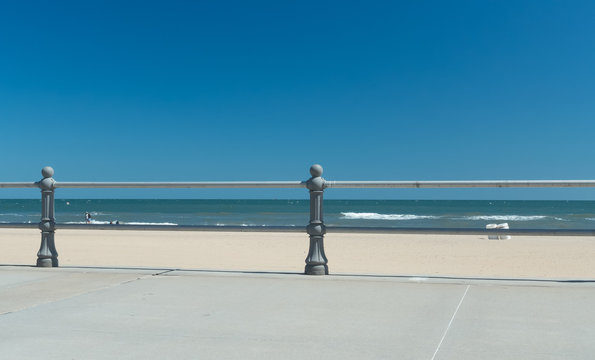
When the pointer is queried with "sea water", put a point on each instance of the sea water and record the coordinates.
(370, 213)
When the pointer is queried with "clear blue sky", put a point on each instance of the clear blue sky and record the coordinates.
(260, 90)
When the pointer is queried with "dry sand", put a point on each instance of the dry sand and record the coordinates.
(408, 255)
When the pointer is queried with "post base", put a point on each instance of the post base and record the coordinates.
(44, 262)
(47, 262)
(316, 270)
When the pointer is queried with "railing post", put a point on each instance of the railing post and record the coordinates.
(316, 262)
(47, 256)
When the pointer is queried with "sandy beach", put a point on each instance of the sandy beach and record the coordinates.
(408, 255)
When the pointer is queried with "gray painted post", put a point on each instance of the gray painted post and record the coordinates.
(316, 262)
(47, 256)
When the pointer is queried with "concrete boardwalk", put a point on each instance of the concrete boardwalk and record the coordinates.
(103, 313)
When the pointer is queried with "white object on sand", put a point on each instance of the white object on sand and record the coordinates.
(498, 226)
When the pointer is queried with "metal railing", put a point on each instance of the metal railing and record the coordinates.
(303, 184)
(316, 261)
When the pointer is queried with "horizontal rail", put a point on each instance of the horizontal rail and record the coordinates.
(327, 184)
(329, 229)
(187, 185)
(461, 184)
(19, 185)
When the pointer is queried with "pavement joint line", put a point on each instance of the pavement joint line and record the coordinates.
(164, 272)
(450, 322)
(141, 277)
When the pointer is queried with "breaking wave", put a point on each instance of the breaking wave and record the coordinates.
(376, 216)
(506, 217)
(147, 223)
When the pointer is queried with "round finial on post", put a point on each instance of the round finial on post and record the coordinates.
(47, 183)
(316, 182)
(316, 170)
(47, 172)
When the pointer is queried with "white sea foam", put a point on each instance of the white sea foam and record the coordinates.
(376, 216)
(590, 219)
(246, 225)
(84, 222)
(121, 223)
(147, 223)
(506, 217)
(97, 222)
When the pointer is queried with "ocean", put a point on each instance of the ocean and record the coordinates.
(370, 213)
